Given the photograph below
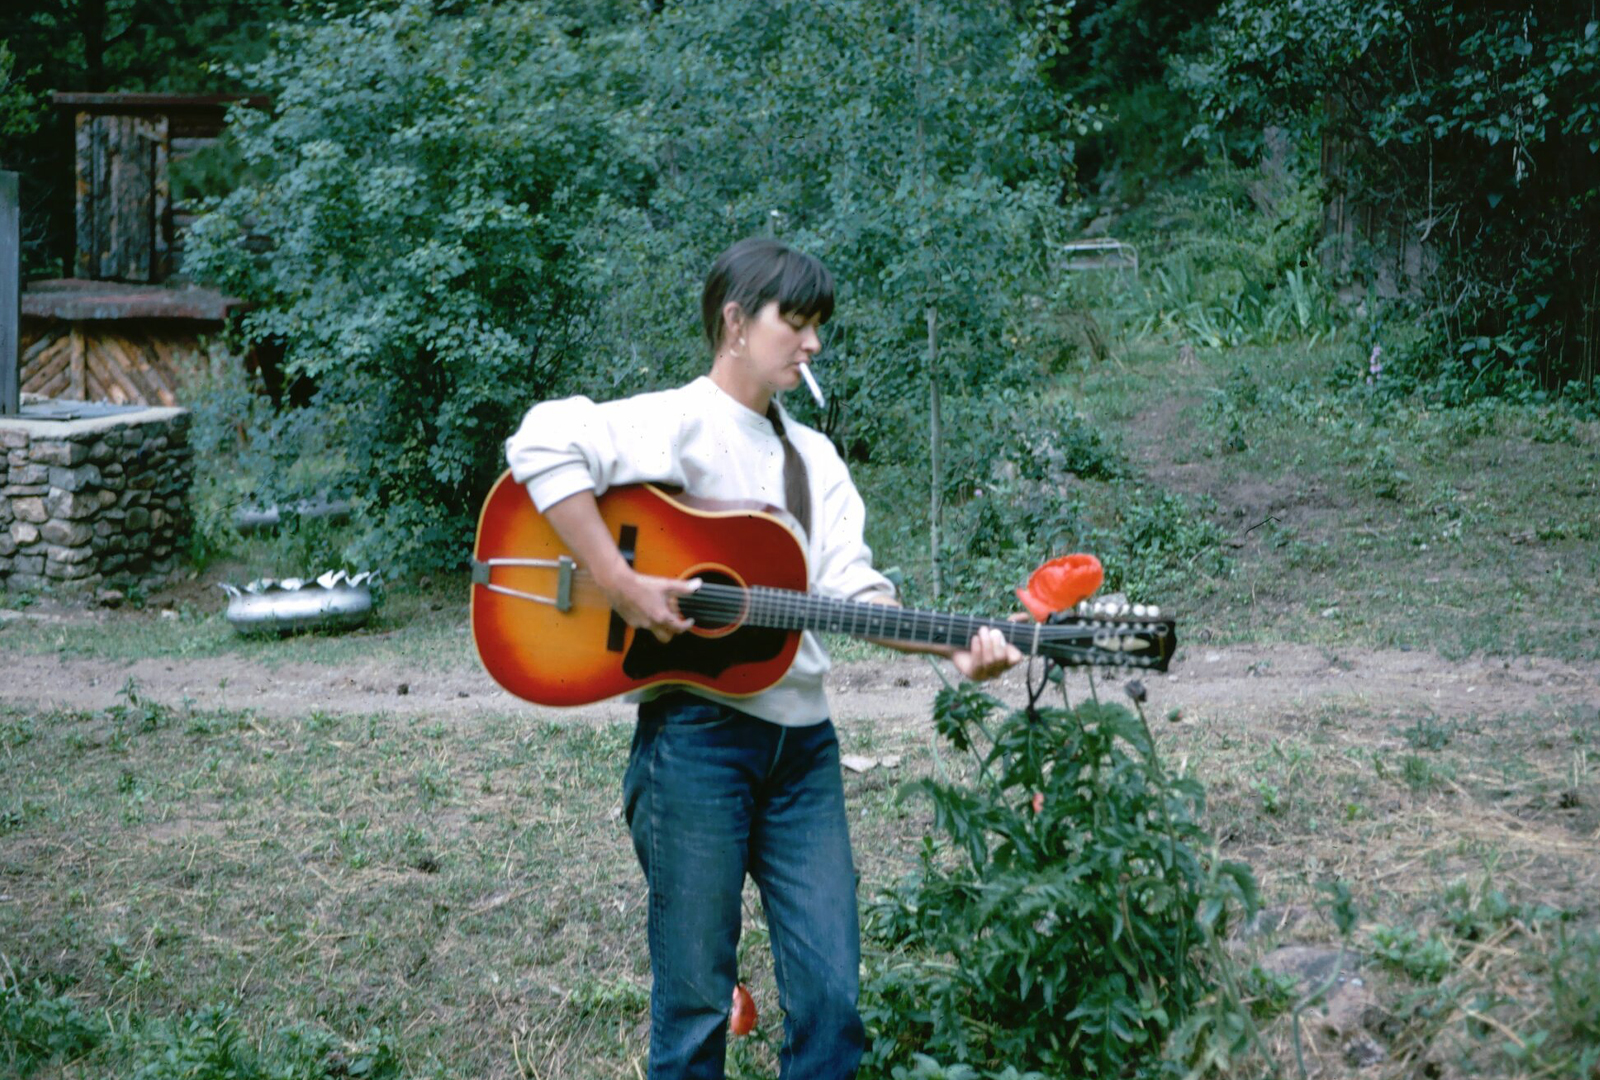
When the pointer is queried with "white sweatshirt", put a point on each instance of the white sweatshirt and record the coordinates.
(702, 440)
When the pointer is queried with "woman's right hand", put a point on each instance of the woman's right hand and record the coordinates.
(644, 602)
(649, 603)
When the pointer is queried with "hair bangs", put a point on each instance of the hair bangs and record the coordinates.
(803, 287)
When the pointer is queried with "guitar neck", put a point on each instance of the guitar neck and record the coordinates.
(783, 609)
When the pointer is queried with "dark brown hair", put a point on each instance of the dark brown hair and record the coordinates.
(757, 270)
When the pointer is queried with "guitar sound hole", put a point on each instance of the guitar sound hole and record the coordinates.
(713, 613)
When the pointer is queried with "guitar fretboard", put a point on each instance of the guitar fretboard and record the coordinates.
(787, 610)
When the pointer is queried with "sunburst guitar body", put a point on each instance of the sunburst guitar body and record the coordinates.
(546, 633)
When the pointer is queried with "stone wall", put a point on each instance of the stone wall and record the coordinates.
(94, 502)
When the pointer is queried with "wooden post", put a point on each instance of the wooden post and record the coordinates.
(87, 264)
(10, 295)
(157, 130)
(78, 379)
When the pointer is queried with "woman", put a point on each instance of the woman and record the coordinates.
(717, 788)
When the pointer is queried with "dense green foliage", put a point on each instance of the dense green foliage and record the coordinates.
(1113, 55)
(19, 112)
(469, 213)
(166, 46)
(41, 1027)
(1473, 127)
(1063, 923)
(455, 209)
(423, 181)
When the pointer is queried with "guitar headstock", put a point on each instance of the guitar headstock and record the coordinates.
(1111, 634)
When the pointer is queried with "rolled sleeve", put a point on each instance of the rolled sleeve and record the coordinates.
(572, 444)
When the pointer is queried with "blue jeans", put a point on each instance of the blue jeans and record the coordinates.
(712, 794)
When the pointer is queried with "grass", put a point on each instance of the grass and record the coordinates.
(422, 625)
(1469, 857)
(467, 891)
(1351, 519)
(458, 898)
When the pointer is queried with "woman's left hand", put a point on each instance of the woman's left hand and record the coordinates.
(987, 655)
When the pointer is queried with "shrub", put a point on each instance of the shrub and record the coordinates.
(40, 1026)
(207, 1044)
(452, 216)
(1573, 1039)
(1014, 489)
(413, 177)
(1065, 920)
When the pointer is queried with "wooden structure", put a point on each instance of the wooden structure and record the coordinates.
(127, 228)
(1100, 253)
(104, 341)
(127, 328)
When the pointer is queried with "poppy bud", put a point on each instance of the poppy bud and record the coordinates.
(1135, 690)
(743, 1019)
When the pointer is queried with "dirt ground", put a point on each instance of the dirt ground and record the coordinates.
(1240, 683)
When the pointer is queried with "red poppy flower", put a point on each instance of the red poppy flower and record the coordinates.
(1061, 583)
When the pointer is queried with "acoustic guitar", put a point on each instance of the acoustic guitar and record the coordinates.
(545, 632)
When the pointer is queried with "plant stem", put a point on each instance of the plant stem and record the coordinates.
(934, 437)
(1153, 760)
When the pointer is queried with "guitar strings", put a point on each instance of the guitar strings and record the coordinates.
(843, 615)
(729, 602)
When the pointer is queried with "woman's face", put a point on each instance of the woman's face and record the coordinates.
(775, 346)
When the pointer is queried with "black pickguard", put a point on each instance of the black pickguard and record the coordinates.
(710, 657)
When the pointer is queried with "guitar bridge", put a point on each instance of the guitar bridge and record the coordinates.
(482, 571)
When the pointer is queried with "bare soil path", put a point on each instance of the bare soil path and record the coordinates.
(1242, 683)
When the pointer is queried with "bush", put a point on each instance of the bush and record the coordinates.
(463, 214)
(1228, 256)
(1066, 919)
(1402, 948)
(416, 172)
(208, 1045)
(1014, 475)
(1574, 997)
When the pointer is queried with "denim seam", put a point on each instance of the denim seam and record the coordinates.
(780, 972)
(654, 929)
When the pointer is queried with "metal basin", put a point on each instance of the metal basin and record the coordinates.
(333, 601)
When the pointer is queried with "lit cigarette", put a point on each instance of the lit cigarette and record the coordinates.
(811, 384)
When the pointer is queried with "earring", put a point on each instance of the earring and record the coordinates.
(741, 341)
